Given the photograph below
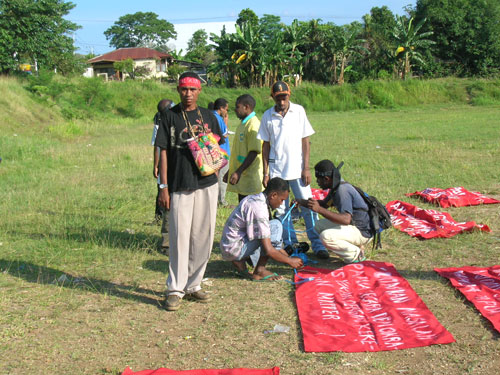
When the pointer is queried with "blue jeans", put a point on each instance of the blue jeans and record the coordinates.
(251, 249)
(289, 236)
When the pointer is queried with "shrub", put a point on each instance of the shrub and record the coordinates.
(94, 94)
(39, 83)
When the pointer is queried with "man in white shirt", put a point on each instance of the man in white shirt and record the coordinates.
(285, 131)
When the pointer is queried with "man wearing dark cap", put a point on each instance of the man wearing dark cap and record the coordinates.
(347, 231)
(190, 198)
(285, 131)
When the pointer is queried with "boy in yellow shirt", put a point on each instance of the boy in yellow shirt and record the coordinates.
(245, 165)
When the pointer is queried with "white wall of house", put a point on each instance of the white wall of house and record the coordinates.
(89, 72)
(156, 69)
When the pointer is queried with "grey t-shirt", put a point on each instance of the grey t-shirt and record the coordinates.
(347, 199)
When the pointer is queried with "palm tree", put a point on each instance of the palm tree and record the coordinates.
(331, 47)
(248, 40)
(295, 36)
(409, 41)
(225, 66)
(312, 46)
(350, 44)
(275, 60)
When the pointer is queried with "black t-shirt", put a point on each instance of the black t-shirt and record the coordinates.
(182, 172)
(157, 118)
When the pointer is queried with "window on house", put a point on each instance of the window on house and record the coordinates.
(161, 66)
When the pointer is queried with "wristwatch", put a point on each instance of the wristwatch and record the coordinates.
(163, 186)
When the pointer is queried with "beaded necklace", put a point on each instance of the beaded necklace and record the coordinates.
(196, 128)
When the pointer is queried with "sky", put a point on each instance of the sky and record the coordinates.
(95, 16)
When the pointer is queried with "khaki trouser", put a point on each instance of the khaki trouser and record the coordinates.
(164, 230)
(191, 228)
(223, 185)
(343, 240)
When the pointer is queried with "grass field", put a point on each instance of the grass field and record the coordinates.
(81, 278)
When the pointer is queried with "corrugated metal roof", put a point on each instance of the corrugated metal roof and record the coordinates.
(132, 53)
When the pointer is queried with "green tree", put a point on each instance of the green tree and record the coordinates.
(350, 44)
(140, 30)
(247, 16)
(378, 33)
(467, 34)
(275, 62)
(270, 26)
(125, 66)
(294, 36)
(128, 66)
(175, 70)
(199, 50)
(241, 57)
(311, 48)
(35, 32)
(224, 67)
(410, 41)
(74, 63)
(333, 37)
(176, 54)
(249, 45)
(252, 56)
(141, 71)
(198, 40)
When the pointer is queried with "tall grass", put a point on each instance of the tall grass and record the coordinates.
(20, 110)
(484, 93)
(83, 98)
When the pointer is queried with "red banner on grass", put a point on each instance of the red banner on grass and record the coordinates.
(363, 307)
(236, 371)
(425, 224)
(453, 197)
(479, 285)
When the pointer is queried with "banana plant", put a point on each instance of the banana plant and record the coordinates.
(409, 43)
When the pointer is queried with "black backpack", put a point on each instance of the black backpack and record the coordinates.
(379, 217)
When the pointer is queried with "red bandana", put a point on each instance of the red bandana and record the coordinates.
(190, 82)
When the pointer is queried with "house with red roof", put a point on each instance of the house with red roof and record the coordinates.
(154, 62)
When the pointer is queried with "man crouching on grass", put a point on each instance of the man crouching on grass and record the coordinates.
(347, 231)
(248, 233)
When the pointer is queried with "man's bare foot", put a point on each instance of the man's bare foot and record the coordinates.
(241, 269)
(261, 273)
(240, 265)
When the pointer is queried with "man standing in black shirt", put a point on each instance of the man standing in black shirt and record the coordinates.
(190, 198)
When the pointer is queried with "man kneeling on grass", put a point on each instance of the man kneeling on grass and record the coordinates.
(249, 233)
(347, 231)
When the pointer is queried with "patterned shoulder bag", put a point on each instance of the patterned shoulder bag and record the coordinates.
(204, 146)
